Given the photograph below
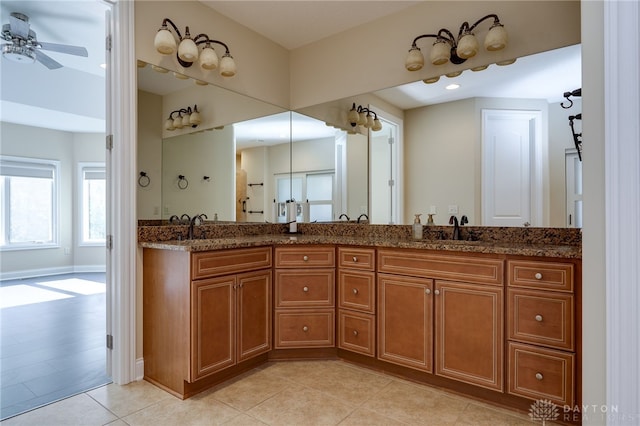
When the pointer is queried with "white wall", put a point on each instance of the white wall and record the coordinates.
(69, 149)
(149, 198)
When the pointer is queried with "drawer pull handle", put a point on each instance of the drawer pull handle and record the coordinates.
(355, 259)
(436, 292)
(305, 289)
(355, 332)
(305, 258)
(538, 276)
(305, 328)
(539, 318)
(427, 291)
(539, 376)
(355, 291)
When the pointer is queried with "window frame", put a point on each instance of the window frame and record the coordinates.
(81, 167)
(55, 201)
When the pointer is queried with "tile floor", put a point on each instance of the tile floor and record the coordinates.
(280, 393)
(52, 339)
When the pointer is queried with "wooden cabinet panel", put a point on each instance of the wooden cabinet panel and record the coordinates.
(539, 373)
(405, 312)
(469, 333)
(420, 264)
(305, 328)
(296, 288)
(543, 318)
(254, 314)
(222, 262)
(356, 332)
(305, 256)
(356, 258)
(547, 275)
(212, 325)
(356, 290)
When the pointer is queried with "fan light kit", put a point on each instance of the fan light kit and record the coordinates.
(23, 46)
(188, 52)
(457, 50)
(361, 116)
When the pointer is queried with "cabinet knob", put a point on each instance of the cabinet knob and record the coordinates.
(436, 292)
(355, 291)
(305, 289)
(539, 376)
(355, 332)
(538, 276)
(305, 328)
(355, 259)
(427, 291)
(539, 318)
(305, 258)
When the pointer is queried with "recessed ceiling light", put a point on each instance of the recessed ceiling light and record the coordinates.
(452, 86)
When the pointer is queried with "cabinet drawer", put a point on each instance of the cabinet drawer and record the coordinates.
(299, 288)
(356, 290)
(356, 258)
(305, 257)
(356, 332)
(542, 318)
(305, 329)
(541, 275)
(221, 262)
(456, 268)
(539, 373)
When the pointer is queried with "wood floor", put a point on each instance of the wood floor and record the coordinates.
(55, 347)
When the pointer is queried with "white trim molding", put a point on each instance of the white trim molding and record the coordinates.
(622, 187)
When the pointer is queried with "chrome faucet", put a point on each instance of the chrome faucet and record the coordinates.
(360, 217)
(456, 228)
(197, 218)
(343, 214)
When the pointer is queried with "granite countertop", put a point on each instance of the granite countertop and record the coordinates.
(545, 250)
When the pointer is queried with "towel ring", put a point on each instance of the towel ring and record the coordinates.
(144, 180)
(183, 183)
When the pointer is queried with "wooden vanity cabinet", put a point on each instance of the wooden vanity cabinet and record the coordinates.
(541, 328)
(357, 300)
(304, 297)
(204, 312)
(442, 314)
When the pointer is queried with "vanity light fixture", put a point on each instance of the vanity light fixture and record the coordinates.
(362, 116)
(191, 118)
(447, 47)
(188, 51)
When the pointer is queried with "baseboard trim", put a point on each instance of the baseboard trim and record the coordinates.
(43, 272)
(139, 369)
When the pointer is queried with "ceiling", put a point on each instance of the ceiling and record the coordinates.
(34, 95)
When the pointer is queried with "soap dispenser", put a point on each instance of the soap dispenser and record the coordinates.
(430, 221)
(417, 228)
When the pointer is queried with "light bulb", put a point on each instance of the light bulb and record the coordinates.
(415, 59)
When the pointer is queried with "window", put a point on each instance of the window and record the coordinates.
(316, 188)
(29, 202)
(92, 196)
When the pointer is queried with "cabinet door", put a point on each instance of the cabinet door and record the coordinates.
(469, 333)
(405, 308)
(254, 314)
(212, 325)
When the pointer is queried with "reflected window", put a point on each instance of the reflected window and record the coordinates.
(316, 189)
(92, 193)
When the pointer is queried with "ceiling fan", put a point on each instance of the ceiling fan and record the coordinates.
(23, 46)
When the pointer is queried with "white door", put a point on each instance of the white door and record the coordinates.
(508, 142)
(573, 173)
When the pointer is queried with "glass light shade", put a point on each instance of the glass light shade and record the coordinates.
(228, 66)
(369, 121)
(168, 124)
(431, 80)
(159, 69)
(353, 117)
(440, 52)
(496, 38)
(208, 58)
(200, 82)
(164, 42)
(362, 119)
(141, 64)
(467, 46)
(453, 74)
(188, 51)
(177, 122)
(479, 68)
(195, 118)
(180, 76)
(415, 59)
(185, 120)
(377, 125)
(506, 62)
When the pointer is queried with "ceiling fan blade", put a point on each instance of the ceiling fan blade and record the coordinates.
(19, 25)
(47, 61)
(64, 48)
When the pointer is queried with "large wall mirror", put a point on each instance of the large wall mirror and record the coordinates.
(497, 149)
